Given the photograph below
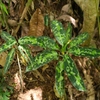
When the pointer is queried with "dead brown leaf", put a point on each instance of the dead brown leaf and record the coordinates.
(67, 9)
(12, 6)
(36, 24)
(68, 18)
(18, 83)
(11, 9)
(90, 88)
(32, 94)
(12, 22)
(25, 29)
(3, 57)
(21, 6)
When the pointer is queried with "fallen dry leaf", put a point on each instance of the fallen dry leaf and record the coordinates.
(36, 27)
(68, 18)
(67, 9)
(3, 57)
(36, 24)
(17, 81)
(12, 6)
(89, 85)
(32, 94)
(12, 22)
(24, 30)
(21, 6)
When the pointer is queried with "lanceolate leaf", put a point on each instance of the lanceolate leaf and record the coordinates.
(42, 41)
(26, 54)
(68, 33)
(3, 8)
(58, 31)
(47, 42)
(79, 39)
(42, 58)
(86, 52)
(7, 45)
(9, 60)
(59, 80)
(27, 40)
(73, 74)
(6, 36)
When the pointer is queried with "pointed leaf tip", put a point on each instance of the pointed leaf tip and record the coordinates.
(79, 39)
(73, 73)
(58, 31)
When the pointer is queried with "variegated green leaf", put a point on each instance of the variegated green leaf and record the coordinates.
(83, 51)
(7, 37)
(73, 74)
(42, 59)
(7, 46)
(79, 39)
(58, 31)
(67, 37)
(42, 41)
(26, 54)
(68, 34)
(47, 42)
(9, 60)
(59, 80)
(27, 40)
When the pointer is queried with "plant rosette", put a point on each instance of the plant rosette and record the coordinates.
(62, 48)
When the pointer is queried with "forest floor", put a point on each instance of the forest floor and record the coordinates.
(39, 85)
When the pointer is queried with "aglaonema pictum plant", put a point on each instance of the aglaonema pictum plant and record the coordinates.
(59, 50)
(67, 47)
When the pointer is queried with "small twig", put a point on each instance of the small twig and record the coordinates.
(20, 73)
(38, 73)
(22, 16)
